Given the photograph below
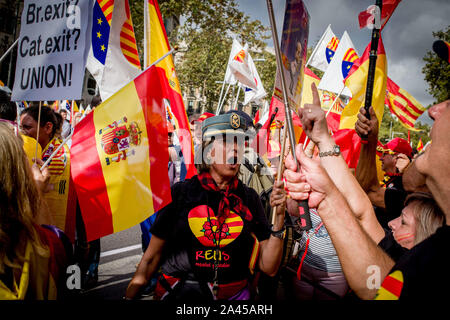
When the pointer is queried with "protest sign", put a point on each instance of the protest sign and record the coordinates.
(294, 44)
(51, 55)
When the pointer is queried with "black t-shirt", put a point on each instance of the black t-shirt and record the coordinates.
(391, 247)
(394, 198)
(188, 227)
(421, 273)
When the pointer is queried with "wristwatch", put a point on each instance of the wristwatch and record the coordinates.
(280, 234)
(335, 152)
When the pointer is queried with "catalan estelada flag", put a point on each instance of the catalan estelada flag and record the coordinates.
(403, 105)
(156, 45)
(356, 81)
(119, 157)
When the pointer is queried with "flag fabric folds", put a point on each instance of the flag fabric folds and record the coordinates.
(324, 50)
(345, 56)
(403, 105)
(156, 45)
(235, 49)
(119, 157)
(366, 17)
(240, 68)
(113, 59)
(356, 82)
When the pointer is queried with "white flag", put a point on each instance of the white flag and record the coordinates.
(235, 48)
(121, 64)
(337, 71)
(324, 51)
(259, 92)
(241, 70)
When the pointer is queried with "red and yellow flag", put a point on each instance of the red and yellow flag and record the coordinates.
(420, 145)
(119, 157)
(156, 45)
(403, 105)
(356, 81)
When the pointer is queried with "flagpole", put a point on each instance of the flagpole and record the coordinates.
(372, 66)
(315, 48)
(219, 108)
(305, 218)
(280, 166)
(37, 132)
(237, 97)
(221, 92)
(71, 113)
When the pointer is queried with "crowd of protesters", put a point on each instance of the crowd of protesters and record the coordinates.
(231, 231)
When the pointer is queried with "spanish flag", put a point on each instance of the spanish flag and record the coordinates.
(156, 45)
(403, 105)
(356, 81)
(119, 157)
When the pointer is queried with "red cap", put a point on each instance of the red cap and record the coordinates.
(396, 145)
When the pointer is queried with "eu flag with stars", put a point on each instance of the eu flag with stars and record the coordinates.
(100, 34)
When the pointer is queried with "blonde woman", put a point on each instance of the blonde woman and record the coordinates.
(25, 248)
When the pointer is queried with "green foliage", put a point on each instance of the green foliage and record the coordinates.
(437, 71)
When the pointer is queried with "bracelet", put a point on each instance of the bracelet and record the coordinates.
(280, 233)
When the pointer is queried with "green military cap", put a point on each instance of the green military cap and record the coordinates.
(225, 124)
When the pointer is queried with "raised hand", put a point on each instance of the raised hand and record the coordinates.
(311, 182)
(40, 178)
(401, 162)
(313, 119)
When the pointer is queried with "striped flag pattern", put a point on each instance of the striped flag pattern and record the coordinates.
(128, 40)
(403, 105)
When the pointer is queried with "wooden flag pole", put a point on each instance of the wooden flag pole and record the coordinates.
(280, 166)
(84, 115)
(219, 108)
(9, 50)
(372, 66)
(37, 132)
(305, 219)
